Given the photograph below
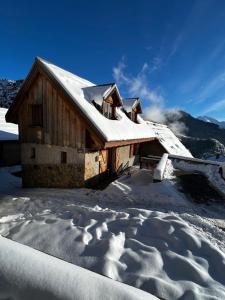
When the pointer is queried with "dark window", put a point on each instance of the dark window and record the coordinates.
(107, 110)
(33, 153)
(63, 157)
(89, 143)
(37, 115)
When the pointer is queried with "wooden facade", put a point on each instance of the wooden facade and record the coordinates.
(62, 125)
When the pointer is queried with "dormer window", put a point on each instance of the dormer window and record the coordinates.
(107, 110)
(132, 108)
(105, 98)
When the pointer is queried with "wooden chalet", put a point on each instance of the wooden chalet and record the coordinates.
(72, 132)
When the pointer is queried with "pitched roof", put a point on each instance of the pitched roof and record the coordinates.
(100, 92)
(167, 139)
(76, 88)
(130, 103)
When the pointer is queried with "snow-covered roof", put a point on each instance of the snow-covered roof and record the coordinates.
(98, 93)
(129, 104)
(168, 139)
(8, 131)
(111, 130)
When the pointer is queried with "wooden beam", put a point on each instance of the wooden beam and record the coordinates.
(127, 142)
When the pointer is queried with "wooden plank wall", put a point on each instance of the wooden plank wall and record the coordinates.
(62, 125)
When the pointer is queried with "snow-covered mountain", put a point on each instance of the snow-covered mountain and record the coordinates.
(8, 91)
(221, 124)
(203, 138)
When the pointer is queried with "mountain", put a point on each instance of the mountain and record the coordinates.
(221, 124)
(8, 91)
(204, 139)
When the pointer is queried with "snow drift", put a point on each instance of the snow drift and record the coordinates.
(144, 234)
(27, 274)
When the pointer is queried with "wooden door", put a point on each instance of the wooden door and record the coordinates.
(112, 160)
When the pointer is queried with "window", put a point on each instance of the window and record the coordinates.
(89, 143)
(32, 153)
(107, 110)
(63, 157)
(37, 115)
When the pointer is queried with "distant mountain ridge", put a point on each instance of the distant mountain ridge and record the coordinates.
(8, 91)
(221, 124)
(204, 139)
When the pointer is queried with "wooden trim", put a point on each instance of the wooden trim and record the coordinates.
(11, 115)
(127, 142)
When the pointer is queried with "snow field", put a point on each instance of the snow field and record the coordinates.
(135, 231)
(27, 274)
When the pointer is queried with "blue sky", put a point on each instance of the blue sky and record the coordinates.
(170, 53)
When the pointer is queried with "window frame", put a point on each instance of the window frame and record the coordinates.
(107, 110)
(63, 157)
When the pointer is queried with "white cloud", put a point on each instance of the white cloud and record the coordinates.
(137, 86)
(155, 114)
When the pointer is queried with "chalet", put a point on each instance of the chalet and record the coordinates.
(74, 133)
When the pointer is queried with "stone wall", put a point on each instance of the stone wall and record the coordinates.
(46, 170)
(91, 165)
(53, 176)
(49, 154)
(123, 158)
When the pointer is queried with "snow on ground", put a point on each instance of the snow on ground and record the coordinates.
(145, 234)
(8, 131)
(53, 279)
(211, 171)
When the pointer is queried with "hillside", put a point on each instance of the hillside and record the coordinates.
(221, 124)
(8, 91)
(203, 139)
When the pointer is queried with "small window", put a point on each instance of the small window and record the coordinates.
(63, 157)
(33, 153)
(37, 115)
(89, 143)
(107, 110)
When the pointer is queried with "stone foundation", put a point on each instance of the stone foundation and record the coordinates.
(53, 176)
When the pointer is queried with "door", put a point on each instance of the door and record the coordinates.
(112, 160)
